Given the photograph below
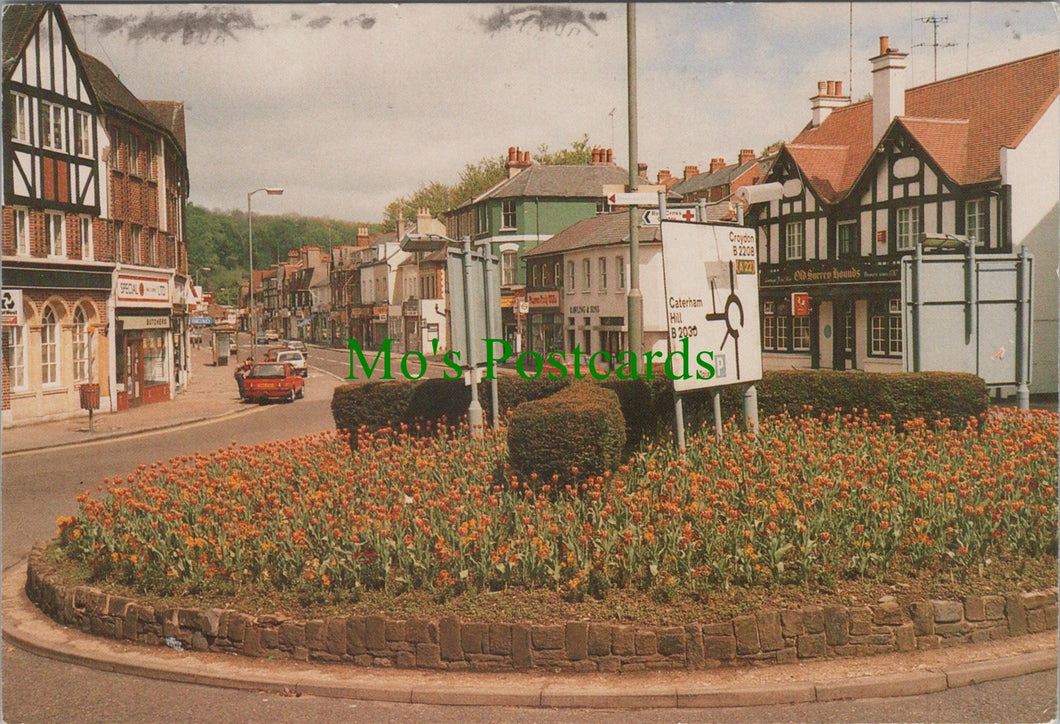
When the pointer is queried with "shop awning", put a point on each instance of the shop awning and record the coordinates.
(307, 320)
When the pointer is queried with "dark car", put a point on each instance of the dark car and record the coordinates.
(272, 381)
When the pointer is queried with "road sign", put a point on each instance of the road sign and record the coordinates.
(711, 283)
(640, 198)
(650, 217)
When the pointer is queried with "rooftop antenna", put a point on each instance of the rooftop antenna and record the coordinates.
(84, 28)
(936, 21)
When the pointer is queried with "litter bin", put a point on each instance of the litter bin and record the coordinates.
(89, 399)
(89, 396)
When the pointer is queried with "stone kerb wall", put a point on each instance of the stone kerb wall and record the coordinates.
(768, 636)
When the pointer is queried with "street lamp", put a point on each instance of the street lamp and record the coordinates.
(250, 286)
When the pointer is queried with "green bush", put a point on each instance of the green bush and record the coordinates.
(648, 405)
(575, 433)
(904, 396)
(373, 405)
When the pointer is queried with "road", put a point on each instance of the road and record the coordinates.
(39, 487)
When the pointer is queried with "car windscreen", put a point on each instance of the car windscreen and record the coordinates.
(289, 357)
(267, 371)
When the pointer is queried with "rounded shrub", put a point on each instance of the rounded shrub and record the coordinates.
(577, 432)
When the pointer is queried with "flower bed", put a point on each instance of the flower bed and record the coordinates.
(810, 499)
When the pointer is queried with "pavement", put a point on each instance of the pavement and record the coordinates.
(212, 394)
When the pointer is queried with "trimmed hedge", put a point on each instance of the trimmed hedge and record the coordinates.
(575, 433)
(647, 405)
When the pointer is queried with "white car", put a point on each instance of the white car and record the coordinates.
(294, 358)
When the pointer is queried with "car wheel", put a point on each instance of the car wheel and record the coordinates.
(290, 395)
(301, 392)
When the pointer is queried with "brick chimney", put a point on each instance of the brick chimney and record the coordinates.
(642, 170)
(663, 178)
(362, 236)
(888, 87)
(717, 164)
(746, 155)
(401, 225)
(829, 97)
(691, 171)
(517, 160)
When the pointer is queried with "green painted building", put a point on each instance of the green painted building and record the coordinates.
(527, 208)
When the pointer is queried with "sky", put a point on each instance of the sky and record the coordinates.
(349, 106)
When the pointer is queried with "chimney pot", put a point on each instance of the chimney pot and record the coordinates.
(884, 42)
(511, 153)
(609, 156)
(831, 87)
(839, 87)
(596, 155)
(822, 87)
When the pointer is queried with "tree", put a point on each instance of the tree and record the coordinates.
(579, 154)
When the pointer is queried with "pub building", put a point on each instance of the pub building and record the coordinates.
(974, 157)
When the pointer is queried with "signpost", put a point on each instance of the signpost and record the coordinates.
(650, 217)
(638, 198)
(963, 313)
(476, 307)
(710, 277)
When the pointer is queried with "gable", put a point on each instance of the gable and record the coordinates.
(48, 58)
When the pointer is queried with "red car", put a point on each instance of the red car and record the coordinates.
(272, 381)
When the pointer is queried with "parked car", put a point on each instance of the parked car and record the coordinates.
(292, 356)
(272, 335)
(298, 345)
(260, 338)
(272, 381)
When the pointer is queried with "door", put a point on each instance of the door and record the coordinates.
(843, 357)
(134, 370)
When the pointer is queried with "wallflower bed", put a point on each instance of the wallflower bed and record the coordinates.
(808, 500)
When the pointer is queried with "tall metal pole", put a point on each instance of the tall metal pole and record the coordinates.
(635, 301)
(250, 283)
(474, 410)
(490, 279)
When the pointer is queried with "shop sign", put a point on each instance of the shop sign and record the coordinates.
(411, 308)
(380, 313)
(144, 322)
(142, 291)
(538, 300)
(800, 304)
(11, 306)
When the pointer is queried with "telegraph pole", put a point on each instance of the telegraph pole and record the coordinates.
(635, 305)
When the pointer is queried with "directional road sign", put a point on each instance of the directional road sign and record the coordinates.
(640, 198)
(711, 282)
(650, 217)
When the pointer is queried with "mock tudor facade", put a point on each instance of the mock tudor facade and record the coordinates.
(975, 155)
(95, 182)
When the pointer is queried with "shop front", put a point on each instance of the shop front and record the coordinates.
(544, 322)
(145, 368)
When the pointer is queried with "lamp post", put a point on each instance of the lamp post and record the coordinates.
(250, 285)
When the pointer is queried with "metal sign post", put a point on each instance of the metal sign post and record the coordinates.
(710, 277)
(475, 299)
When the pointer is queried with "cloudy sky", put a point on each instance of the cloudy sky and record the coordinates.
(349, 106)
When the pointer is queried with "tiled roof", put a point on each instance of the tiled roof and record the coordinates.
(19, 23)
(962, 122)
(573, 181)
(599, 230)
(709, 180)
(171, 115)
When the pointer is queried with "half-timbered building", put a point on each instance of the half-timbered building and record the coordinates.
(974, 156)
(73, 272)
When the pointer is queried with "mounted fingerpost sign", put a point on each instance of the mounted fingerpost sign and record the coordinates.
(710, 278)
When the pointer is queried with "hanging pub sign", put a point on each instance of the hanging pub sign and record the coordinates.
(800, 304)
